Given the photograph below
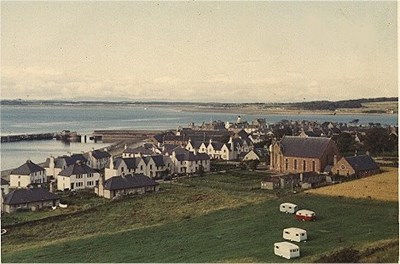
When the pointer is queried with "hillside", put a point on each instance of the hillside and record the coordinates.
(216, 218)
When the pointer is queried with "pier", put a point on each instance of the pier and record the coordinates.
(28, 137)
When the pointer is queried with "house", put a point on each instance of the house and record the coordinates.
(77, 176)
(98, 159)
(358, 166)
(256, 154)
(29, 198)
(187, 162)
(26, 174)
(125, 185)
(141, 151)
(302, 154)
(271, 183)
(5, 186)
(54, 166)
(193, 145)
(157, 166)
(154, 166)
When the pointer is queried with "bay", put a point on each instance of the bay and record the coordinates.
(86, 119)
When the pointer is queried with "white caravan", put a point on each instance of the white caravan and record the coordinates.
(286, 250)
(288, 208)
(294, 234)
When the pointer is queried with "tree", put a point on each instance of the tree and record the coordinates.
(377, 140)
(345, 143)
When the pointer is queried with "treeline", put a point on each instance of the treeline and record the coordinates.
(330, 105)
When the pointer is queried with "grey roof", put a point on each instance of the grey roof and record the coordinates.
(64, 160)
(128, 181)
(4, 182)
(196, 144)
(100, 154)
(190, 156)
(217, 145)
(21, 196)
(77, 168)
(131, 163)
(138, 150)
(27, 168)
(362, 162)
(307, 147)
(158, 160)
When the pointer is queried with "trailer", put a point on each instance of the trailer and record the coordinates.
(305, 215)
(288, 208)
(286, 250)
(294, 234)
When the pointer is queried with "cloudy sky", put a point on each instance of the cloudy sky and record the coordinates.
(198, 51)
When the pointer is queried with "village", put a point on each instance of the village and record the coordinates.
(294, 156)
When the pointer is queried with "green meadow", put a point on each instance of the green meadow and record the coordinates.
(215, 218)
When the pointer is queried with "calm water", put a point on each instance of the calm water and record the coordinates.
(86, 119)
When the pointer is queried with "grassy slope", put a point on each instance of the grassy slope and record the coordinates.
(180, 225)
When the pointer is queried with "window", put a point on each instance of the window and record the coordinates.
(122, 168)
(286, 232)
(141, 167)
(286, 164)
(297, 234)
(277, 247)
(304, 165)
(313, 165)
(295, 164)
(151, 167)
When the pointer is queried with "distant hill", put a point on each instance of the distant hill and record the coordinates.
(311, 105)
(330, 105)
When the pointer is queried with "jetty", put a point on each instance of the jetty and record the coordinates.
(28, 137)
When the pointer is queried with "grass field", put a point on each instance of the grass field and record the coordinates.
(216, 218)
(383, 186)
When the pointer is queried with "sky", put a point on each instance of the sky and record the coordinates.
(198, 51)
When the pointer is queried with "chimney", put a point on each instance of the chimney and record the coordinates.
(125, 146)
(230, 139)
(210, 141)
(195, 151)
(51, 163)
(355, 153)
(367, 153)
(301, 177)
(51, 186)
(111, 163)
(334, 159)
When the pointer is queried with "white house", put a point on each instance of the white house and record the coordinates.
(125, 166)
(98, 159)
(152, 166)
(77, 176)
(54, 166)
(187, 162)
(26, 174)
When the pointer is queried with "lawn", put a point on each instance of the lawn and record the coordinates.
(216, 218)
(383, 186)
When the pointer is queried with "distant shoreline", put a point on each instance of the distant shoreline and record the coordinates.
(251, 110)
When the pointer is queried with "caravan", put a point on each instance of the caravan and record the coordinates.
(288, 208)
(305, 215)
(286, 250)
(294, 234)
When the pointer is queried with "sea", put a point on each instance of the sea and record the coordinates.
(85, 119)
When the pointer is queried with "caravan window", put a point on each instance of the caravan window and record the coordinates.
(297, 234)
(302, 234)
(277, 247)
(283, 206)
(286, 232)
